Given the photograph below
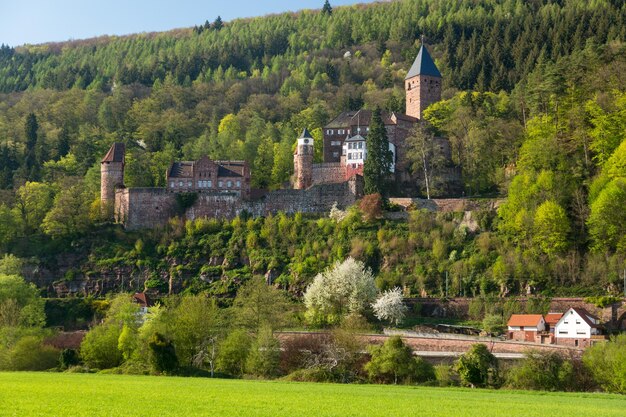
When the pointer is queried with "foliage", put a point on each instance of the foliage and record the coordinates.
(394, 362)
(379, 157)
(545, 371)
(233, 353)
(390, 306)
(99, 347)
(478, 367)
(607, 364)
(346, 288)
(20, 304)
(258, 305)
(162, 354)
(372, 207)
(264, 355)
(31, 354)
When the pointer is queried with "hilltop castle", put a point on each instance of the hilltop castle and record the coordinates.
(345, 148)
(206, 188)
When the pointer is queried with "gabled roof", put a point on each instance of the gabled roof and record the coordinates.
(423, 65)
(587, 317)
(116, 153)
(356, 138)
(142, 299)
(305, 134)
(553, 318)
(231, 168)
(181, 169)
(526, 320)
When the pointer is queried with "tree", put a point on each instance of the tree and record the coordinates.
(20, 303)
(425, 155)
(607, 364)
(347, 287)
(379, 158)
(70, 212)
(607, 221)
(264, 355)
(31, 354)
(217, 23)
(394, 362)
(99, 348)
(372, 207)
(30, 158)
(33, 201)
(162, 354)
(478, 367)
(327, 9)
(551, 228)
(233, 353)
(258, 304)
(389, 306)
(545, 371)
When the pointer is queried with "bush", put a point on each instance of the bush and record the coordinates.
(162, 354)
(444, 374)
(543, 371)
(99, 347)
(30, 354)
(394, 362)
(316, 374)
(264, 356)
(68, 358)
(478, 367)
(607, 364)
(233, 353)
(493, 324)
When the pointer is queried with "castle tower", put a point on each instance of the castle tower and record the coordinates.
(111, 176)
(303, 161)
(422, 84)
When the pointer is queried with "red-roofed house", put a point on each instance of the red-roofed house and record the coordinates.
(526, 327)
(551, 320)
(143, 300)
(578, 327)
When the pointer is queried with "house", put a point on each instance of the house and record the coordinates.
(526, 327)
(551, 320)
(144, 302)
(579, 328)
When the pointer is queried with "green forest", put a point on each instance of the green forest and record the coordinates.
(534, 106)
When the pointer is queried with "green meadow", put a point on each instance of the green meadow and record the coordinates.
(49, 394)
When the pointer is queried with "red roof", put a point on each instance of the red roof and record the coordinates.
(587, 317)
(116, 153)
(553, 318)
(142, 299)
(525, 320)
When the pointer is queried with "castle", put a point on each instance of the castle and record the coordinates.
(221, 189)
(345, 148)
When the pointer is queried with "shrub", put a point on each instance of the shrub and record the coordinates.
(394, 362)
(162, 354)
(542, 371)
(233, 353)
(478, 367)
(444, 374)
(264, 356)
(30, 354)
(99, 347)
(493, 324)
(68, 358)
(372, 207)
(607, 364)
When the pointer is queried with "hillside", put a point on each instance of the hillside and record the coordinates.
(534, 107)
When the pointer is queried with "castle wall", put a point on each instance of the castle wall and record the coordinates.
(139, 208)
(329, 172)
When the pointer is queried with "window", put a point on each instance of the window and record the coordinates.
(229, 184)
(349, 156)
(209, 184)
(566, 322)
(335, 154)
(360, 145)
(220, 184)
(576, 343)
(172, 184)
(368, 129)
(360, 155)
(180, 184)
(562, 331)
(580, 332)
(577, 321)
(238, 183)
(189, 183)
(200, 184)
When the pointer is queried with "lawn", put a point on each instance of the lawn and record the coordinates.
(42, 394)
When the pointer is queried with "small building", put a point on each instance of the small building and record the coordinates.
(526, 327)
(551, 320)
(144, 302)
(206, 175)
(579, 328)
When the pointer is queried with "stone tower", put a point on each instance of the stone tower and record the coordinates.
(111, 176)
(303, 161)
(422, 84)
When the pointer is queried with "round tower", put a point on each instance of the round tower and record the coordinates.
(111, 176)
(303, 161)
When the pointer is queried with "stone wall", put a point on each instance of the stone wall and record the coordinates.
(329, 172)
(140, 208)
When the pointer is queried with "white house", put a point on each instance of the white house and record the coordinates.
(355, 153)
(577, 328)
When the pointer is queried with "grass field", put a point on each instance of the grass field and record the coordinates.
(41, 394)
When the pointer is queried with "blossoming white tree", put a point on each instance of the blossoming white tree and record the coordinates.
(389, 306)
(347, 287)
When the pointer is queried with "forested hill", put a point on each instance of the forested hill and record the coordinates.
(534, 107)
(481, 44)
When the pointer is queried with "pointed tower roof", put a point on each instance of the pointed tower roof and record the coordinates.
(305, 134)
(116, 153)
(423, 65)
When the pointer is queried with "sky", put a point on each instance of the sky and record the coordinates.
(39, 21)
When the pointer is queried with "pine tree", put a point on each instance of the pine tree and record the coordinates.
(327, 9)
(30, 158)
(379, 157)
(218, 24)
(63, 145)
